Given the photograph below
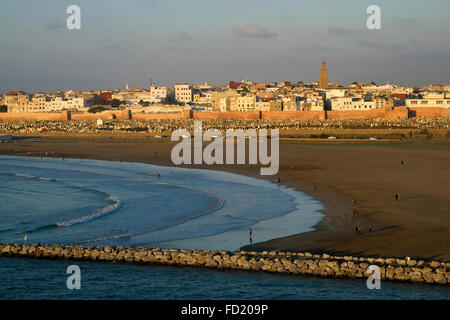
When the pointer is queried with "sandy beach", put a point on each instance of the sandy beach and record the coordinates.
(334, 173)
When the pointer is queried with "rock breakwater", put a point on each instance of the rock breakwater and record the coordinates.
(301, 263)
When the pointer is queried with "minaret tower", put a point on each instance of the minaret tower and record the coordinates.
(323, 81)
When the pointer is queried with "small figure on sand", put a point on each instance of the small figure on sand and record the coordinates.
(355, 208)
(402, 162)
(358, 230)
(315, 188)
(397, 196)
(158, 175)
(250, 236)
(277, 180)
(370, 228)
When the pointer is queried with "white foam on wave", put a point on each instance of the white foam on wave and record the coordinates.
(23, 175)
(220, 203)
(97, 214)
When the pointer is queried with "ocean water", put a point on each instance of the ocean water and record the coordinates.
(22, 278)
(111, 203)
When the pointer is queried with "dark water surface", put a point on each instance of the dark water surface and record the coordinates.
(23, 278)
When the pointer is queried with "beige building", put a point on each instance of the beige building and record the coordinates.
(222, 101)
(244, 103)
(290, 103)
(183, 93)
(430, 101)
(358, 103)
(312, 105)
(157, 94)
(276, 105)
(43, 103)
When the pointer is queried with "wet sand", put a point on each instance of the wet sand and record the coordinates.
(417, 225)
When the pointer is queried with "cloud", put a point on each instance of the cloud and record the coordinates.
(182, 36)
(408, 21)
(122, 46)
(443, 57)
(381, 46)
(181, 49)
(54, 25)
(337, 31)
(253, 31)
(314, 48)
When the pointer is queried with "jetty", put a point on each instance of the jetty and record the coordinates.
(295, 263)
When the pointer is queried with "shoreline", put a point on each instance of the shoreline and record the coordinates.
(230, 233)
(332, 234)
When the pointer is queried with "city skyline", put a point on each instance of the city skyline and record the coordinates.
(203, 41)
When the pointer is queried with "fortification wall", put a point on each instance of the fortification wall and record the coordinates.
(293, 115)
(388, 113)
(425, 112)
(363, 114)
(156, 116)
(93, 116)
(244, 115)
(445, 112)
(397, 113)
(15, 116)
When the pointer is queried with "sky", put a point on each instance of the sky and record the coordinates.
(216, 41)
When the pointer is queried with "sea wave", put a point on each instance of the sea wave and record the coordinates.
(218, 205)
(23, 175)
(97, 214)
(27, 176)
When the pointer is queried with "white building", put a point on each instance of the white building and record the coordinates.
(158, 94)
(335, 93)
(245, 103)
(183, 92)
(430, 101)
(357, 103)
(43, 103)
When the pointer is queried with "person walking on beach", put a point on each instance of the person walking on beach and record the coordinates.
(250, 234)
(397, 196)
(355, 208)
